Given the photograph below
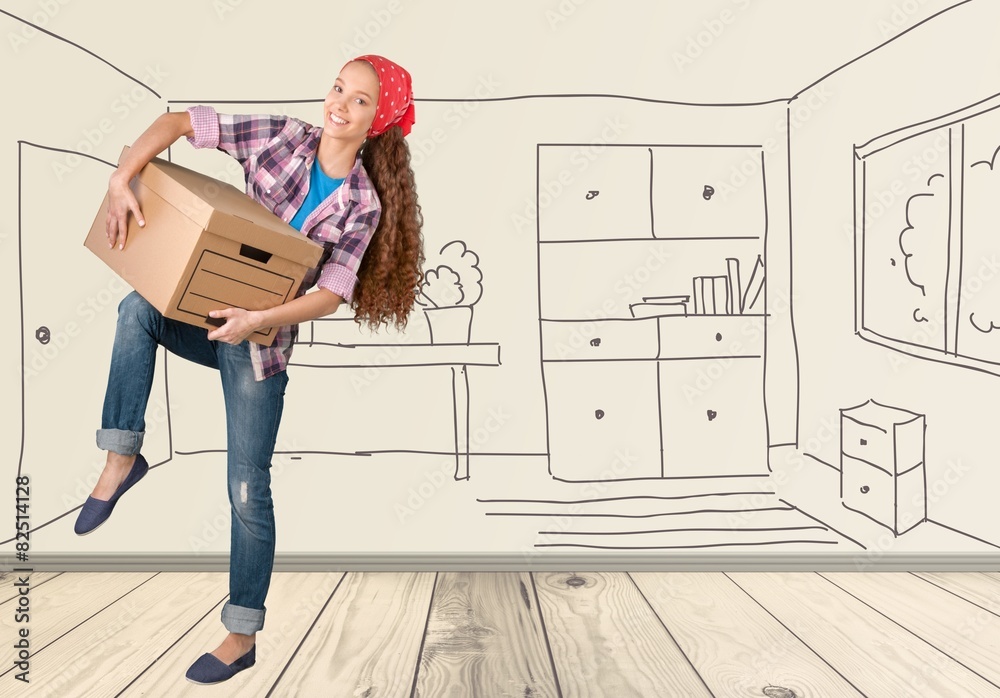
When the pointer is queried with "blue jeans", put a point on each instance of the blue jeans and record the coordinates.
(253, 413)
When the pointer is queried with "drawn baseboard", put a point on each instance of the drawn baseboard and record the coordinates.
(872, 561)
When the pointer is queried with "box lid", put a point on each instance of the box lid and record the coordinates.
(225, 210)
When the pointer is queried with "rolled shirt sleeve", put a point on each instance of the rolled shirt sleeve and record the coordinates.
(340, 272)
(205, 124)
(239, 135)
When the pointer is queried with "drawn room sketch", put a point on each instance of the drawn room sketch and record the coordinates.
(645, 326)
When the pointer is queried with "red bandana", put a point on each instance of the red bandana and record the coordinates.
(395, 99)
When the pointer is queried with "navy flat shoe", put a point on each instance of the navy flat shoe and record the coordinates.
(209, 669)
(96, 511)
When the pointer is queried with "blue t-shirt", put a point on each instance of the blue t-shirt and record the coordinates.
(320, 187)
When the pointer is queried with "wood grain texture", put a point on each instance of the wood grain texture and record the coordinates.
(877, 656)
(606, 641)
(965, 632)
(106, 652)
(366, 641)
(485, 638)
(734, 644)
(66, 602)
(373, 635)
(294, 601)
(978, 588)
(35, 579)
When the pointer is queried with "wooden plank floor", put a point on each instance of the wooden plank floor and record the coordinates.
(530, 635)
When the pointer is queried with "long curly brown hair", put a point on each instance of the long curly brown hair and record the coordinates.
(391, 269)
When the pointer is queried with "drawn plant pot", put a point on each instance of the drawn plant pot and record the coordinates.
(450, 324)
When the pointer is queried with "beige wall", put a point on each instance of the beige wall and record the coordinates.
(938, 68)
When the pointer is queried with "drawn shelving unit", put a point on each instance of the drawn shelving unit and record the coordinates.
(652, 351)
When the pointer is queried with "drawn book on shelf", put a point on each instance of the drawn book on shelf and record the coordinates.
(725, 295)
(711, 295)
(653, 306)
(755, 287)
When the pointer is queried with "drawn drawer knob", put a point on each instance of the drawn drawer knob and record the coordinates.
(711, 414)
(707, 192)
(43, 335)
(718, 336)
(595, 342)
(599, 414)
(864, 489)
(863, 442)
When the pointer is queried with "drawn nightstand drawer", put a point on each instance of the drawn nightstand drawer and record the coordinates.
(898, 502)
(868, 443)
(723, 335)
(867, 489)
(707, 192)
(889, 437)
(599, 339)
(588, 195)
(603, 422)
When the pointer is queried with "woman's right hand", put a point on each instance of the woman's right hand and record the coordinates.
(121, 201)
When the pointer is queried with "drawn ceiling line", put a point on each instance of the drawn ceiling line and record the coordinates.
(85, 50)
(935, 123)
(462, 100)
(876, 48)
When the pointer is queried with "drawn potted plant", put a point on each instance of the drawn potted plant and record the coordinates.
(449, 291)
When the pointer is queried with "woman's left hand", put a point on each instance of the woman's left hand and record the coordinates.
(240, 324)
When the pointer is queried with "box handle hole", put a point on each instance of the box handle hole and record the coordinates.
(255, 254)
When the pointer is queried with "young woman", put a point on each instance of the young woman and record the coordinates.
(347, 185)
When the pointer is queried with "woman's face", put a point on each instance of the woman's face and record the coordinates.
(349, 108)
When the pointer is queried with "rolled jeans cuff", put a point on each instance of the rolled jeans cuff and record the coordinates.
(121, 441)
(242, 620)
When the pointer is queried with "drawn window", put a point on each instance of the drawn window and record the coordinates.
(927, 235)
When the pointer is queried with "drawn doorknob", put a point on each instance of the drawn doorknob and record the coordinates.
(864, 489)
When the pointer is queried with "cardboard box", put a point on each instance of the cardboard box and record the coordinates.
(206, 246)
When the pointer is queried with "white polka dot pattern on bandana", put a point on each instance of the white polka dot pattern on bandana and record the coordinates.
(393, 108)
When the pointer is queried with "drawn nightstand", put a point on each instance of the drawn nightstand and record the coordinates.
(882, 470)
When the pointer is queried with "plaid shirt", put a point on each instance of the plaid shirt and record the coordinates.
(277, 153)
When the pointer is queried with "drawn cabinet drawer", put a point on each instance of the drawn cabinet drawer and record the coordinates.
(599, 339)
(712, 414)
(867, 489)
(896, 446)
(867, 442)
(707, 192)
(588, 195)
(602, 419)
(728, 335)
